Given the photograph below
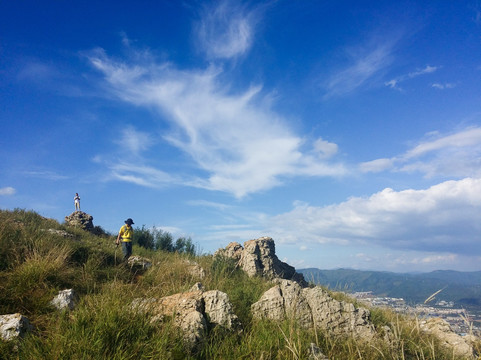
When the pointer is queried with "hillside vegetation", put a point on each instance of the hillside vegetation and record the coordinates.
(36, 263)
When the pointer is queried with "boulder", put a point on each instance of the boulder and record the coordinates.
(441, 329)
(81, 220)
(65, 299)
(313, 308)
(194, 312)
(258, 258)
(139, 263)
(315, 353)
(194, 269)
(219, 310)
(13, 326)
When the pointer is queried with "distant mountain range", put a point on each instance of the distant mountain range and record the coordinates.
(464, 288)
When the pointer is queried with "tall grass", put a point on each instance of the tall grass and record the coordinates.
(35, 265)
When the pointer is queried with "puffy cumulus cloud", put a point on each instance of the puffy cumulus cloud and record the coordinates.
(443, 218)
(7, 191)
(225, 29)
(453, 155)
(233, 137)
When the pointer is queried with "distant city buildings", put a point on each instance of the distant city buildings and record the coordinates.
(460, 320)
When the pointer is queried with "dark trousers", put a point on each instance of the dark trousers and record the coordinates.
(127, 249)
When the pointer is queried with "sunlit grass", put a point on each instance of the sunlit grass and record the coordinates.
(35, 264)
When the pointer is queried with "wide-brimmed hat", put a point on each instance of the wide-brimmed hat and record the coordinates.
(129, 221)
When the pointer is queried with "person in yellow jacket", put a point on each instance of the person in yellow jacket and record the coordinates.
(126, 235)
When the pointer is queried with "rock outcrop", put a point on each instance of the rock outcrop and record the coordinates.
(313, 308)
(81, 220)
(138, 263)
(258, 258)
(194, 269)
(194, 312)
(66, 299)
(441, 329)
(13, 326)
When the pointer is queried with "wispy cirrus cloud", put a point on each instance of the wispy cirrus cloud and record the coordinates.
(443, 86)
(365, 63)
(133, 141)
(453, 155)
(45, 174)
(233, 136)
(226, 29)
(394, 83)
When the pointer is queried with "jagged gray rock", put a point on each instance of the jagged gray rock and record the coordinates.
(313, 308)
(139, 263)
(258, 258)
(194, 269)
(13, 326)
(315, 353)
(81, 220)
(441, 329)
(66, 299)
(194, 312)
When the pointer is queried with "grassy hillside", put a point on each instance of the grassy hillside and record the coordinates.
(36, 263)
(464, 288)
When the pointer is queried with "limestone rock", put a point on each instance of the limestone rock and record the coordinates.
(194, 312)
(194, 269)
(65, 299)
(315, 353)
(139, 263)
(258, 257)
(81, 220)
(197, 286)
(219, 309)
(313, 308)
(441, 329)
(233, 250)
(13, 326)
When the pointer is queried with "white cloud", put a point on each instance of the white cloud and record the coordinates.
(443, 86)
(7, 191)
(325, 149)
(134, 141)
(49, 175)
(226, 29)
(140, 175)
(442, 218)
(365, 64)
(452, 155)
(376, 165)
(234, 137)
(394, 83)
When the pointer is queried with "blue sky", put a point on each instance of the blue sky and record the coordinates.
(348, 132)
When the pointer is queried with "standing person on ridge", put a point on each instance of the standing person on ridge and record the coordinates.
(126, 234)
(76, 200)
